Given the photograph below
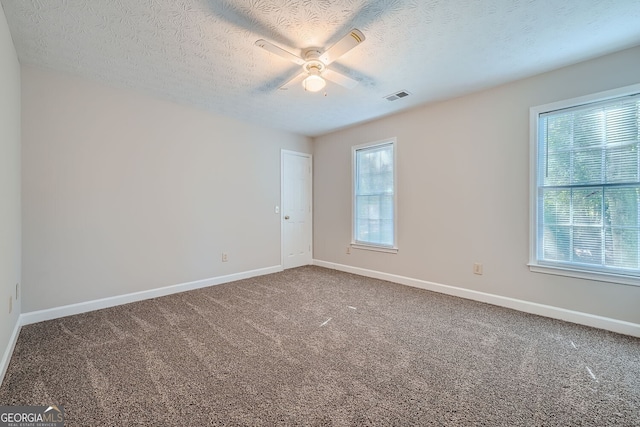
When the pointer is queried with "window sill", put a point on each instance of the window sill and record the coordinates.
(589, 275)
(385, 249)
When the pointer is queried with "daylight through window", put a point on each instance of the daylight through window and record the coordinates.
(588, 187)
(374, 195)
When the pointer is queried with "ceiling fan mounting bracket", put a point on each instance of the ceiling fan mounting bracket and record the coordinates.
(311, 53)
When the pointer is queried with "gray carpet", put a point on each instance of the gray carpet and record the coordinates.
(312, 346)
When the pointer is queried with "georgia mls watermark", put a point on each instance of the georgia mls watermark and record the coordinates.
(32, 416)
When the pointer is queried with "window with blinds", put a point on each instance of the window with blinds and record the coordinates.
(374, 195)
(588, 187)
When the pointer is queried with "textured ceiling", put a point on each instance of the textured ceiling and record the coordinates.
(202, 53)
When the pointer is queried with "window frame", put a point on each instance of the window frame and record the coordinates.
(365, 245)
(534, 264)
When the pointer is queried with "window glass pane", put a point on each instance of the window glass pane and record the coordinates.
(557, 243)
(622, 163)
(558, 171)
(374, 195)
(557, 207)
(622, 206)
(589, 186)
(587, 245)
(587, 166)
(622, 123)
(587, 206)
(559, 132)
(621, 247)
(588, 128)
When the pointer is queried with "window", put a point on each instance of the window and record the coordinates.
(374, 196)
(586, 207)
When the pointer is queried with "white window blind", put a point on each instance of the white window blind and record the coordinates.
(588, 187)
(374, 195)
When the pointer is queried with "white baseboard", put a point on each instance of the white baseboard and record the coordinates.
(6, 358)
(83, 307)
(614, 325)
(587, 319)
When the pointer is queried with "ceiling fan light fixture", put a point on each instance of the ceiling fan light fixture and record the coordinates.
(314, 83)
(314, 62)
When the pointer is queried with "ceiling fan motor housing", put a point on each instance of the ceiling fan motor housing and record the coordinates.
(313, 64)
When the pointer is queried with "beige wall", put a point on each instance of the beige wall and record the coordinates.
(126, 193)
(464, 191)
(9, 183)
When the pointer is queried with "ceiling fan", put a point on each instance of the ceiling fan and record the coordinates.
(314, 62)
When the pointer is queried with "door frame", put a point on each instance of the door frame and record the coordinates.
(284, 152)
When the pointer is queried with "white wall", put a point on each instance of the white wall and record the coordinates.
(464, 191)
(9, 185)
(125, 193)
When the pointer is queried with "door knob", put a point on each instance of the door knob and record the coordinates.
(286, 217)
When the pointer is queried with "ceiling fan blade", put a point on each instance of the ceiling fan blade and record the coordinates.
(294, 81)
(340, 79)
(344, 45)
(272, 48)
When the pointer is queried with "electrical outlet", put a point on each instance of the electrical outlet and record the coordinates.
(225, 257)
(477, 268)
(348, 250)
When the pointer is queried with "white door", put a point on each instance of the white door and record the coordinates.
(296, 209)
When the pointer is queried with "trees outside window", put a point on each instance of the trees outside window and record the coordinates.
(587, 186)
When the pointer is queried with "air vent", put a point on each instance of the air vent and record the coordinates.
(397, 95)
